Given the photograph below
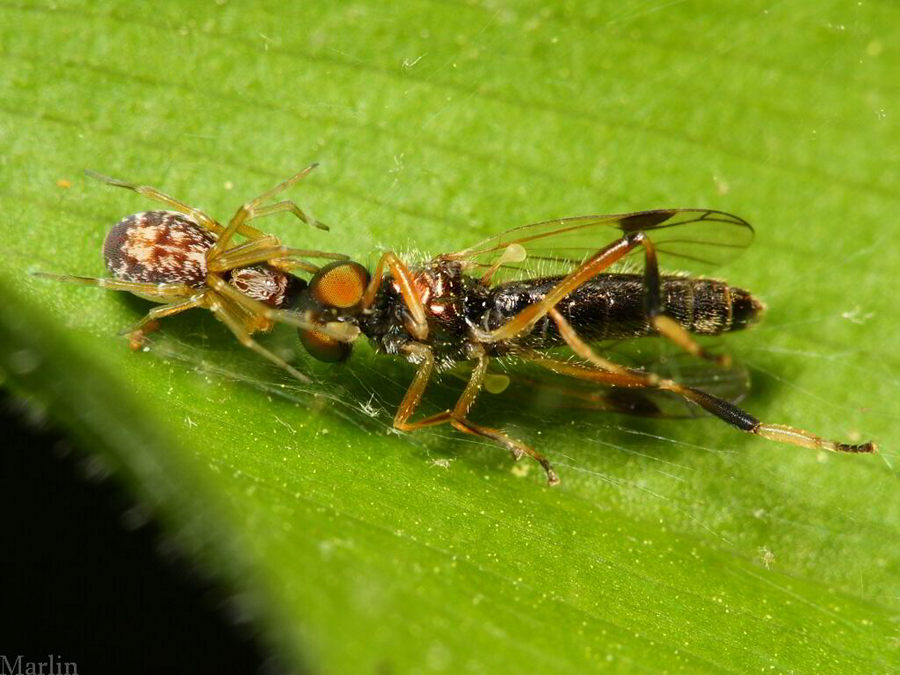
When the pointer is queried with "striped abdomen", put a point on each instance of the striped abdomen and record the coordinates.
(612, 307)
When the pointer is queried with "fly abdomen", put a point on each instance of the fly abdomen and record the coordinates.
(612, 306)
(709, 307)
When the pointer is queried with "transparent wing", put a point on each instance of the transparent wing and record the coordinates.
(689, 240)
(551, 390)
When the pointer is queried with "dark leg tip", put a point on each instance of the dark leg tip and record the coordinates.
(863, 448)
(722, 360)
(552, 478)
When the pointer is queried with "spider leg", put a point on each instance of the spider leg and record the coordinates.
(343, 331)
(254, 209)
(227, 314)
(286, 206)
(259, 250)
(199, 216)
(178, 298)
(158, 196)
(270, 241)
(458, 416)
(149, 323)
(155, 292)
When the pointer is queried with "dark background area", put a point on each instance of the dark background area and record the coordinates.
(84, 578)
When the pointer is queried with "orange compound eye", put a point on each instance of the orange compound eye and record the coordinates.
(339, 284)
(324, 347)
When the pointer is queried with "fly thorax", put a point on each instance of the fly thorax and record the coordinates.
(441, 290)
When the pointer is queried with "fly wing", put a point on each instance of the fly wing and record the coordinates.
(546, 388)
(690, 240)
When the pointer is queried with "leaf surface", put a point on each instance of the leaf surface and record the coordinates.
(679, 545)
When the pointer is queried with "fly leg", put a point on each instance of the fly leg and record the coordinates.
(664, 324)
(724, 410)
(600, 261)
(579, 346)
(457, 417)
(417, 322)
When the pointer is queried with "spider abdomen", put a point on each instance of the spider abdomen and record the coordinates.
(158, 247)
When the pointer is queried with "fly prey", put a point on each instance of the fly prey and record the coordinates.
(486, 302)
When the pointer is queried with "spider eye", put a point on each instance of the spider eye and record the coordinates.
(339, 284)
(324, 347)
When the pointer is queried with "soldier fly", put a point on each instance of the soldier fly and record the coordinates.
(488, 302)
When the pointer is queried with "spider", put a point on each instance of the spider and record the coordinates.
(183, 258)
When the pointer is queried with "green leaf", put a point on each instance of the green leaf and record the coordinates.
(670, 545)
